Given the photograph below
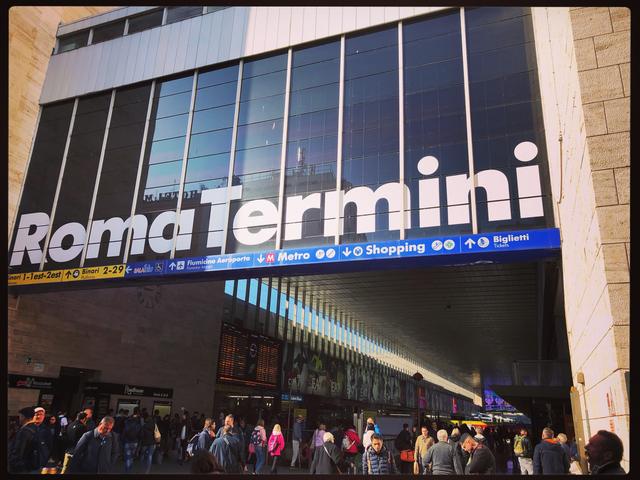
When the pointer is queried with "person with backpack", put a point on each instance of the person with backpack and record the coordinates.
(275, 445)
(366, 436)
(226, 448)
(377, 459)
(258, 441)
(523, 452)
(75, 430)
(326, 458)
(24, 451)
(131, 436)
(351, 446)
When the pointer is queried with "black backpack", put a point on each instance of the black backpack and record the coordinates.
(132, 430)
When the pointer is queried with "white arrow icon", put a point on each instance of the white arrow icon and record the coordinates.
(128, 270)
(469, 243)
(346, 252)
(172, 266)
(260, 259)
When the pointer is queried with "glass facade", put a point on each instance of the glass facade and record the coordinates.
(355, 144)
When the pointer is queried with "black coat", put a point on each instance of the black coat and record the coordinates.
(74, 432)
(323, 463)
(24, 450)
(403, 441)
(148, 429)
(95, 453)
(550, 457)
(482, 461)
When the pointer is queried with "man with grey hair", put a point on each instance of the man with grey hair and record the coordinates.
(441, 456)
(97, 450)
(548, 456)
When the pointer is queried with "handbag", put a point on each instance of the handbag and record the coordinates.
(416, 468)
(156, 433)
(407, 456)
(574, 468)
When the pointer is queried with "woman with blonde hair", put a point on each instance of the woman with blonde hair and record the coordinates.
(275, 445)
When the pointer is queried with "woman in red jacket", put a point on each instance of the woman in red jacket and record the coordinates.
(351, 446)
(275, 445)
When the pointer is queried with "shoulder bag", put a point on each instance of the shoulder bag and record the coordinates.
(331, 459)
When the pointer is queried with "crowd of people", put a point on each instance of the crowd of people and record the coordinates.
(53, 444)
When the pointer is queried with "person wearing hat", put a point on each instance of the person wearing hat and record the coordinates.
(297, 438)
(482, 460)
(24, 451)
(45, 438)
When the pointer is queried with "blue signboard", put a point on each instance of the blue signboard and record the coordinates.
(461, 248)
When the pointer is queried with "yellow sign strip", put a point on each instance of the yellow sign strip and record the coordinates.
(68, 275)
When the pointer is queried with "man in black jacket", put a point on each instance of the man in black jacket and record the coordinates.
(97, 450)
(604, 453)
(548, 456)
(482, 460)
(24, 450)
(403, 442)
(75, 430)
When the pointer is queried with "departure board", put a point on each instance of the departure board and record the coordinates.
(248, 358)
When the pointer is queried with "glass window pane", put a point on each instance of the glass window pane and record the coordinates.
(73, 41)
(218, 76)
(175, 14)
(145, 21)
(170, 127)
(315, 74)
(263, 86)
(210, 143)
(317, 53)
(107, 32)
(261, 109)
(164, 174)
(171, 87)
(259, 134)
(264, 65)
(216, 96)
(213, 119)
(204, 168)
(257, 160)
(313, 99)
(173, 105)
(166, 150)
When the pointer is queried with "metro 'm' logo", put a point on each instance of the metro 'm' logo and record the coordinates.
(254, 222)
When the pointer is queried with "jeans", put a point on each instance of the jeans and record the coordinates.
(296, 450)
(129, 452)
(260, 454)
(526, 466)
(147, 456)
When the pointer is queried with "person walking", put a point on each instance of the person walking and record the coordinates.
(440, 457)
(423, 443)
(226, 448)
(316, 438)
(377, 459)
(460, 457)
(366, 436)
(523, 452)
(258, 441)
(91, 423)
(351, 446)
(481, 459)
(404, 445)
(604, 454)
(295, 441)
(207, 434)
(131, 437)
(275, 445)
(24, 449)
(549, 457)
(148, 441)
(97, 450)
(184, 435)
(326, 457)
(75, 430)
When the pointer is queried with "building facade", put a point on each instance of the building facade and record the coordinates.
(188, 132)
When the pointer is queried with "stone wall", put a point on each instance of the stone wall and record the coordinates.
(32, 37)
(584, 62)
(163, 336)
